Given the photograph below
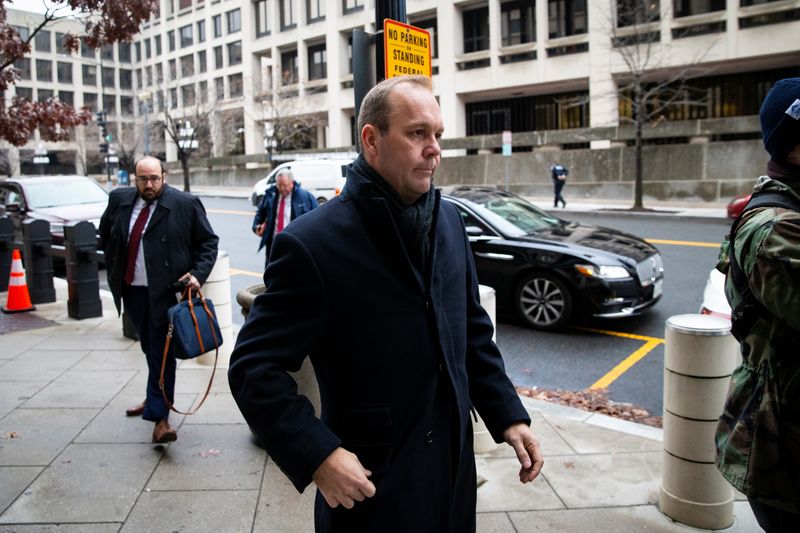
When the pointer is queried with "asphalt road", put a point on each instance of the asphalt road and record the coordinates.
(578, 357)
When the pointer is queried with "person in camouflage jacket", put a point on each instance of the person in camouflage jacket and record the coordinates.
(758, 436)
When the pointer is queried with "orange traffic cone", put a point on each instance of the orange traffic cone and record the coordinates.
(18, 298)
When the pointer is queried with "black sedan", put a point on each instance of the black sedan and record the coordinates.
(56, 199)
(549, 271)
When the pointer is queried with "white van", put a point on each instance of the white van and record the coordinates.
(324, 178)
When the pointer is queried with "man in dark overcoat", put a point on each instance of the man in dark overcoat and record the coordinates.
(378, 288)
(282, 203)
(153, 236)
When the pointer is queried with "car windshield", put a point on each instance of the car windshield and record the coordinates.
(513, 216)
(70, 192)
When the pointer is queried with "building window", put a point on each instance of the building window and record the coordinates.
(202, 65)
(187, 66)
(317, 62)
(185, 33)
(528, 113)
(64, 71)
(110, 104)
(68, 97)
(350, 6)
(315, 10)
(234, 53)
(476, 29)
(90, 101)
(171, 40)
(138, 48)
(126, 105)
(201, 31)
(287, 15)
(87, 51)
(173, 69)
(124, 51)
(234, 20)
(518, 22)
(108, 75)
(159, 70)
(125, 78)
(44, 94)
(235, 85)
(157, 40)
(173, 98)
(631, 12)
(289, 67)
(686, 8)
(107, 52)
(218, 64)
(188, 95)
(23, 65)
(24, 33)
(44, 70)
(89, 74)
(41, 41)
(148, 75)
(139, 79)
(184, 4)
(216, 22)
(430, 26)
(219, 88)
(262, 18)
(566, 17)
(24, 92)
(202, 92)
(170, 7)
(147, 49)
(60, 47)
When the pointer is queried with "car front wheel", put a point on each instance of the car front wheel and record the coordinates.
(543, 301)
(321, 200)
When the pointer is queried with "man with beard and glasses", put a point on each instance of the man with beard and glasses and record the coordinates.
(378, 287)
(155, 238)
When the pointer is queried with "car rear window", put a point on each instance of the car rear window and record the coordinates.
(68, 192)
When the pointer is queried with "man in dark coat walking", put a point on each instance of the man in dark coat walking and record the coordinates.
(282, 203)
(378, 287)
(153, 236)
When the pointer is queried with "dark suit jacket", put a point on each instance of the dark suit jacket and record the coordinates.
(398, 365)
(178, 239)
(302, 202)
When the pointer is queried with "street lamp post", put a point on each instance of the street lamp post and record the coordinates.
(144, 98)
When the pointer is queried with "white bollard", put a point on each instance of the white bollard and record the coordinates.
(217, 288)
(699, 357)
(482, 440)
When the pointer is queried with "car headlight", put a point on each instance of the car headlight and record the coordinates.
(56, 227)
(603, 271)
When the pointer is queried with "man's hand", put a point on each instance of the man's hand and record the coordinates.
(260, 229)
(190, 281)
(520, 437)
(342, 480)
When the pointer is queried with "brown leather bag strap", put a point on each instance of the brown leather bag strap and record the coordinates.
(210, 316)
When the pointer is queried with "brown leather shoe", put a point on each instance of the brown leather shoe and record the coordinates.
(164, 433)
(136, 410)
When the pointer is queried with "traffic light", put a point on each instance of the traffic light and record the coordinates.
(103, 148)
(102, 124)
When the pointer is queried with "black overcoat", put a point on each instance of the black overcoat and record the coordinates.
(398, 365)
(178, 239)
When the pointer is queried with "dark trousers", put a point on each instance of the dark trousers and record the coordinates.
(152, 339)
(774, 520)
(558, 186)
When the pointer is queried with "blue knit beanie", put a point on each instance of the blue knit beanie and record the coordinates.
(780, 118)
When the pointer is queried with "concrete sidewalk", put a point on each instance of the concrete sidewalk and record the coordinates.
(70, 461)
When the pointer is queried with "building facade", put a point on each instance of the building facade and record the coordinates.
(250, 74)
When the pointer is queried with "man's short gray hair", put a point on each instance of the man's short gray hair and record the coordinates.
(284, 172)
(375, 108)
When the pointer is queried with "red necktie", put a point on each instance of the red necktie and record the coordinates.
(281, 207)
(133, 243)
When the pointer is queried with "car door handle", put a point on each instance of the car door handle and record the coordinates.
(491, 255)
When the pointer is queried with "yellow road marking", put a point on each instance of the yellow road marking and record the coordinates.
(626, 364)
(684, 243)
(237, 272)
(230, 212)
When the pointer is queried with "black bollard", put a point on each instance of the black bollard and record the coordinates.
(6, 246)
(38, 263)
(83, 285)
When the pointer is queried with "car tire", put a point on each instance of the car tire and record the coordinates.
(321, 200)
(543, 301)
(258, 200)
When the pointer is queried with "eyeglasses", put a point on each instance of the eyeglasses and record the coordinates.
(148, 179)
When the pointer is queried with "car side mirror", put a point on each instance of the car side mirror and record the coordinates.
(13, 208)
(474, 231)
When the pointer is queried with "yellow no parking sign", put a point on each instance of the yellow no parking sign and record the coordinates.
(407, 50)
